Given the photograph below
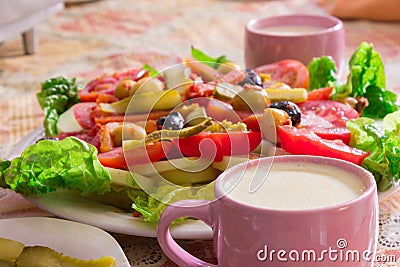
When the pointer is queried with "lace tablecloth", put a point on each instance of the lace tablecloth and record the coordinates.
(87, 40)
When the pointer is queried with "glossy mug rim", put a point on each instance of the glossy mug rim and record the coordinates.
(254, 25)
(365, 176)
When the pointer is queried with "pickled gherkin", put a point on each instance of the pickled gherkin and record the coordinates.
(16, 254)
(39, 256)
(10, 249)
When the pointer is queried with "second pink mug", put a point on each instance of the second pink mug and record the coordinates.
(300, 37)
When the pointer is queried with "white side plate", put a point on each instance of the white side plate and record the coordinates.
(70, 238)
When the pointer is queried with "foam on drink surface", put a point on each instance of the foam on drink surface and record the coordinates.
(297, 186)
(290, 30)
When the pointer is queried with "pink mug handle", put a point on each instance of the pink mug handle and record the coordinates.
(200, 209)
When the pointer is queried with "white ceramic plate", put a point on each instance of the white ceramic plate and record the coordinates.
(112, 219)
(70, 238)
(105, 217)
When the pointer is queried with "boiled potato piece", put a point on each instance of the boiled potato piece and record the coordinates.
(177, 78)
(295, 95)
(10, 249)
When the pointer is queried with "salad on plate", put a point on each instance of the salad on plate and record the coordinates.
(142, 139)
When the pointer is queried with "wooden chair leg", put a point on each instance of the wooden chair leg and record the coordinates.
(30, 41)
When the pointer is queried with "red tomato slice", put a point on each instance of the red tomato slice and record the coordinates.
(327, 118)
(253, 122)
(301, 141)
(332, 112)
(340, 133)
(320, 94)
(121, 159)
(113, 159)
(291, 72)
(217, 145)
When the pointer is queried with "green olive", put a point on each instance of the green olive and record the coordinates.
(147, 85)
(123, 88)
(252, 99)
(127, 131)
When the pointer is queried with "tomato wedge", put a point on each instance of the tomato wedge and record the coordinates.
(218, 145)
(291, 72)
(302, 141)
(332, 112)
(327, 118)
(341, 133)
(320, 94)
(121, 159)
(253, 122)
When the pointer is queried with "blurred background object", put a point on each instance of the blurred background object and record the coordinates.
(379, 10)
(22, 17)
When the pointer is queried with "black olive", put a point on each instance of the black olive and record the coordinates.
(251, 77)
(291, 109)
(174, 121)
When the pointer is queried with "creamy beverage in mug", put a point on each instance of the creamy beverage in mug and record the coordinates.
(298, 187)
(307, 211)
(290, 30)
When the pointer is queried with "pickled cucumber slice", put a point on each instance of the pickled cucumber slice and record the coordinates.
(144, 102)
(187, 178)
(39, 256)
(185, 132)
(10, 249)
(7, 264)
(226, 91)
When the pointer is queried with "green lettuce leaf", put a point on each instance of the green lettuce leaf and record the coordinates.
(322, 72)
(49, 165)
(391, 122)
(4, 165)
(384, 148)
(367, 78)
(151, 206)
(206, 59)
(56, 96)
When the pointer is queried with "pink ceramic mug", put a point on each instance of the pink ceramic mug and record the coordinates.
(343, 234)
(300, 37)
